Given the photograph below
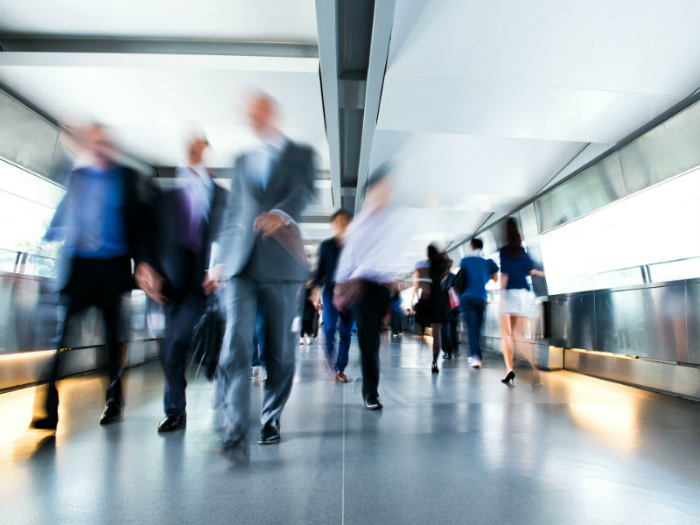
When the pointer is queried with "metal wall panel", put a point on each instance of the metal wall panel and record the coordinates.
(667, 150)
(663, 152)
(582, 326)
(660, 322)
(693, 321)
(655, 375)
(26, 139)
(28, 321)
(558, 321)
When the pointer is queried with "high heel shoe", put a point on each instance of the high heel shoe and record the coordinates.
(435, 368)
(509, 378)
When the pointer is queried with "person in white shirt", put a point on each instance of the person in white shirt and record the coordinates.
(367, 272)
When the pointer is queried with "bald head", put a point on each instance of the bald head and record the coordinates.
(97, 143)
(262, 114)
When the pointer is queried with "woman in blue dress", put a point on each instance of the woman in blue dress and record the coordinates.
(517, 301)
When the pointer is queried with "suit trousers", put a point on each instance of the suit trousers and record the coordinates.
(181, 315)
(278, 302)
(98, 283)
(371, 309)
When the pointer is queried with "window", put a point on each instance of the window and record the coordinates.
(27, 204)
(652, 233)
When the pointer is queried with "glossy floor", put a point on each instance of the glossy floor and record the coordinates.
(455, 447)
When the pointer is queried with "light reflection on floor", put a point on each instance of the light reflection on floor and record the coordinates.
(448, 447)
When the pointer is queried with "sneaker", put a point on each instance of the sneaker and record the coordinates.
(476, 363)
(373, 404)
(259, 375)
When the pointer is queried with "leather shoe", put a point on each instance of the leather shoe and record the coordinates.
(111, 414)
(171, 423)
(236, 451)
(341, 377)
(44, 423)
(270, 433)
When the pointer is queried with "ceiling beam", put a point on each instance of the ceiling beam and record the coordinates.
(378, 56)
(326, 17)
(158, 46)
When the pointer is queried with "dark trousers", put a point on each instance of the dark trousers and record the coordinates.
(342, 322)
(396, 323)
(450, 343)
(99, 283)
(371, 309)
(473, 309)
(180, 317)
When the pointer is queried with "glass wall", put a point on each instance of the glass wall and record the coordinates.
(648, 237)
(27, 205)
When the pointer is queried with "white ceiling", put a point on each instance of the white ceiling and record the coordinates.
(150, 101)
(258, 20)
(484, 103)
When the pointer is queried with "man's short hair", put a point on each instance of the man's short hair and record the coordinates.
(341, 213)
(477, 244)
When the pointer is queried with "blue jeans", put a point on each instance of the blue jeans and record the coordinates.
(473, 309)
(331, 318)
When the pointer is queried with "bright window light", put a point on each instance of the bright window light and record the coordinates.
(608, 247)
(27, 205)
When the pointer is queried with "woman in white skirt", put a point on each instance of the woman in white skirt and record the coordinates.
(517, 300)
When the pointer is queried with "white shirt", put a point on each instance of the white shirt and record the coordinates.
(263, 158)
(373, 246)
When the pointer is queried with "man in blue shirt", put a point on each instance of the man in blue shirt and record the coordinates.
(333, 320)
(477, 271)
(103, 220)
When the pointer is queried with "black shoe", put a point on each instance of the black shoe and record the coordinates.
(44, 423)
(171, 423)
(270, 433)
(373, 404)
(434, 369)
(446, 356)
(236, 451)
(111, 414)
(509, 379)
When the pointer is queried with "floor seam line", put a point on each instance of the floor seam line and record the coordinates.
(342, 491)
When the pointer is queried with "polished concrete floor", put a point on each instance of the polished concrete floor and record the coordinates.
(457, 447)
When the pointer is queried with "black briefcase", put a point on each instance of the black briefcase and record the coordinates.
(207, 338)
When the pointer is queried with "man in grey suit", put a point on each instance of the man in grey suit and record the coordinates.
(259, 253)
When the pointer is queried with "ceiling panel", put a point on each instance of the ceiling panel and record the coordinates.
(506, 110)
(625, 46)
(266, 20)
(447, 169)
(151, 101)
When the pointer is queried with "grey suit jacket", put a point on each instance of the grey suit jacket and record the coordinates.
(289, 189)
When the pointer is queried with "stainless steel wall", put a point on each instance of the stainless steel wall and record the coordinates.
(655, 321)
(28, 321)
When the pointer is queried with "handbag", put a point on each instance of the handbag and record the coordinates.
(454, 298)
(346, 294)
(207, 338)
